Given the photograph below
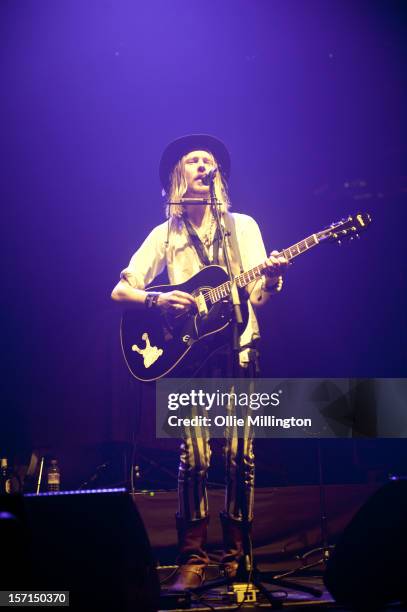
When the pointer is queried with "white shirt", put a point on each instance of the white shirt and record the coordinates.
(182, 260)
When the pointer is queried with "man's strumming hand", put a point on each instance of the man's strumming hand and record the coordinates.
(176, 301)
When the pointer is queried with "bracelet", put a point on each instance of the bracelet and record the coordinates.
(151, 299)
(276, 288)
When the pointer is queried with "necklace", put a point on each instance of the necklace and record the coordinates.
(207, 237)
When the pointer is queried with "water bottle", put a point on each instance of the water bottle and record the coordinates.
(5, 477)
(54, 476)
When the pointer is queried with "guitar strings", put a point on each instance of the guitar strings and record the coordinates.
(303, 243)
(287, 253)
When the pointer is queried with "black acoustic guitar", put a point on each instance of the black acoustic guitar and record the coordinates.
(157, 343)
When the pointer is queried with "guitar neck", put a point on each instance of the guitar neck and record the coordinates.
(244, 279)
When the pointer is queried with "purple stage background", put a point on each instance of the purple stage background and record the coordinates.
(309, 97)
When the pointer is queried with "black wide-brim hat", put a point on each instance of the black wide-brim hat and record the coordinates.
(193, 142)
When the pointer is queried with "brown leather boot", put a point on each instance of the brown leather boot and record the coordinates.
(188, 577)
(234, 533)
(192, 558)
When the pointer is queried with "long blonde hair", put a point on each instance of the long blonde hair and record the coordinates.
(178, 188)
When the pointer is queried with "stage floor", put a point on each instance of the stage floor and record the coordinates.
(290, 598)
(287, 525)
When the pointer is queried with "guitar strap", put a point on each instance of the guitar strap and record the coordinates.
(199, 247)
(231, 232)
(200, 250)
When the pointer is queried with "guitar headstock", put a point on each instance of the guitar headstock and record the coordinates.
(346, 229)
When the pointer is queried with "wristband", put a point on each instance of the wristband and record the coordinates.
(151, 299)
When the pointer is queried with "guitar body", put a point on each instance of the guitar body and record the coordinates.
(156, 344)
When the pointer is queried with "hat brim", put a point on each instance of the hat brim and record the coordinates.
(193, 142)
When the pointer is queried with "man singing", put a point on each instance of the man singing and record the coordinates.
(185, 243)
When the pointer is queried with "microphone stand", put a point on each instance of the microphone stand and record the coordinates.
(234, 298)
(247, 572)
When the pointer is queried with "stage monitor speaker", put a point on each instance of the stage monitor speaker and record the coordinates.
(93, 544)
(368, 569)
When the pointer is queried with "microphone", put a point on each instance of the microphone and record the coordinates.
(209, 177)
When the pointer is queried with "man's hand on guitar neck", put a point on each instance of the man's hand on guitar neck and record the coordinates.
(276, 266)
(272, 282)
